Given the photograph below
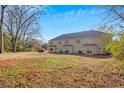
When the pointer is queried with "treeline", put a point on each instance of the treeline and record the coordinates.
(20, 28)
(30, 44)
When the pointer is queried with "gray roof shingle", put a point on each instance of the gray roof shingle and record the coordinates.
(89, 33)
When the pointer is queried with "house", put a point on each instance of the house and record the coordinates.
(89, 42)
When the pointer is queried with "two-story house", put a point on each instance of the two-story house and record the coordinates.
(86, 42)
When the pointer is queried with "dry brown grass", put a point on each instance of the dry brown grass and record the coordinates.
(34, 69)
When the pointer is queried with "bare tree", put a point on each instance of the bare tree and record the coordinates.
(113, 21)
(18, 21)
(1, 28)
(114, 13)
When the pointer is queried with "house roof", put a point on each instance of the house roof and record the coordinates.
(89, 33)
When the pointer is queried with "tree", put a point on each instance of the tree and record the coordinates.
(114, 18)
(19, 21)
(1, 28)
(117, 48)
(33, 45)
(45, 46)
(7, 42)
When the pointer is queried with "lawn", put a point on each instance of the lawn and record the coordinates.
(32, 69)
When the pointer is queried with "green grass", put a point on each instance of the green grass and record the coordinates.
(55, 62)
(50, 63)
(12, 73)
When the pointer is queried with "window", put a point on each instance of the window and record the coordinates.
(103, 49)
(51, 49)
(88, 40)
(80, 52)
(60, 42)
(60, 51)
(66, 42)
(56, 49)
(51, 43)
(66, 51)
(105, 40)
(78, 41)
(89, 51)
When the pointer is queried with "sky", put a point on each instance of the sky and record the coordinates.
(61, 19)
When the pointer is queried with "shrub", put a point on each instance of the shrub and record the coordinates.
(41, 50)
(117, 48)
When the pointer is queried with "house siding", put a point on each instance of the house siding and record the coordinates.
(85, 45)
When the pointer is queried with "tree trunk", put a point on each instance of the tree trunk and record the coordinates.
(1, 40)
(1, 30)
(14, 45)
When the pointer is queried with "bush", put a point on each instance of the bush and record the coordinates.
(41, 50)
(117, 48)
